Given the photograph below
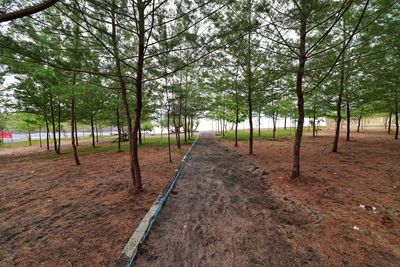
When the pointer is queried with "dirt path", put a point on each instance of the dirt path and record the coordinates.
(222, 213)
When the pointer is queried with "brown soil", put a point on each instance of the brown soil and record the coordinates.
(354, 194)
(222, 213)
(53, 213)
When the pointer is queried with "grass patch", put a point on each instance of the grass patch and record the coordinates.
(106, 146)
(265, 134)
(148, 142)
(51, 141)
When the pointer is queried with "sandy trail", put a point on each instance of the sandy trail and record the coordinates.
(222, 213)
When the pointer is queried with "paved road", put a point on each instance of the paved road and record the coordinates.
(222, 214)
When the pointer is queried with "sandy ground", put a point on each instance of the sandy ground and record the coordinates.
(228, 208)
(356, 194)
(222, 213)
(53, 213)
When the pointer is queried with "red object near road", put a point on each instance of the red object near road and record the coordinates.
(5, 134)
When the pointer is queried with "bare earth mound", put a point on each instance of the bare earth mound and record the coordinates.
(356, 194)
(53, 213)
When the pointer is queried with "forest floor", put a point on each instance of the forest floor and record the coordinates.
(354, 194)
(227, 209)
(53, 213)
(231, 209)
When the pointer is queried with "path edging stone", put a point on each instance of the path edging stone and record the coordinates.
(128, 254)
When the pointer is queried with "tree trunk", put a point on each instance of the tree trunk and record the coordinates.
(192, 127)
(73, 122)
(138, 83)
(223, 127)
(188, 128)
(259, 123)
(285, 124)
(348, 121)
(300, 97)
(274, 118)
(92, 127)
(59, 127)
(390, 122)
(76, 129)
(40, 137)
(169, 132)
(314, 121)
(29, 136)
(97, 133)
(53, 123)
(47, 132)
(340, 96)
(121, 79)
(185, 118)
(338, 121)
(249, 88)
(178, 137)
(237, 119)
(119, 130)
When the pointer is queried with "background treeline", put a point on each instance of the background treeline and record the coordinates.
(136, 64)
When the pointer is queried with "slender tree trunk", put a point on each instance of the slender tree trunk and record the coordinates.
(348, 121)
(40, 137)
(189, 129)
(97, 133)
(340, 96)
(249, 87)
(121, 79)
(237, 118)
(300, 97)
(315, 120)
(76, 128)
(259, 123)
(92, 127)
(178, 137)
(139, 76)
(338, 121)
(29, 137)
(59, 127)
(73, 122)
(119, 130)
(285, 124)
(223, 127)
(53, 123)
(274, 118)
(192, 126)
(47, 132)
(169, 131)
(185, 116)
(390, 122)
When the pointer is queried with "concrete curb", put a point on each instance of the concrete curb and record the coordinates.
(128, 254)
